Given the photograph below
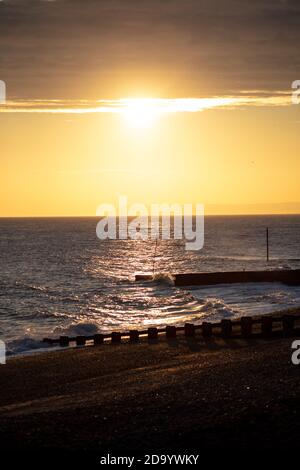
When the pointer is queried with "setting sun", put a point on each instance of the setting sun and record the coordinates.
(140, 113)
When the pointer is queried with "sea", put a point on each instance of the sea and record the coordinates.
(58, 278)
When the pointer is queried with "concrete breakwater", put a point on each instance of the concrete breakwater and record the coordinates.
(291, 276)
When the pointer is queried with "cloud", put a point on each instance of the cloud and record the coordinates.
(87, 47)
(158, 105)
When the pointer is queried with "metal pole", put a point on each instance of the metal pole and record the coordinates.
(154, 257)
(267, 236)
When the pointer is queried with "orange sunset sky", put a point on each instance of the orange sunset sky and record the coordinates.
(216, 124)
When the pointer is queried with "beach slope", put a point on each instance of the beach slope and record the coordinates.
(180, 396)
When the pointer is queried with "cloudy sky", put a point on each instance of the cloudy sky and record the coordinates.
(171, 48)
(176, 101)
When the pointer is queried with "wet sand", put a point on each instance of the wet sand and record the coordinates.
(179, 396)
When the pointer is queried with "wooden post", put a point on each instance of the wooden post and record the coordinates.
(116, 337)
(267, 237)
(152, 333)
(98, 339)
(288, 322)
(266, 326)
(133, 335)
(189, 329)
(206, 329)
(226, 328)
(171, 331)
(80, 340)
(64, 341)
(246, 326)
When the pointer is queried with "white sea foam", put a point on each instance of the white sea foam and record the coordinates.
(77, 329)
(22, 345)
(164, 278)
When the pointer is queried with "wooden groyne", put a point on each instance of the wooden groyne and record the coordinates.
(245, 327)
(291, 276)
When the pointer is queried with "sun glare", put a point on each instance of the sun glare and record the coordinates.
(140, 113)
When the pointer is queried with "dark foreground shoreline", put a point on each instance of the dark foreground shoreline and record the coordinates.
(166, 397)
